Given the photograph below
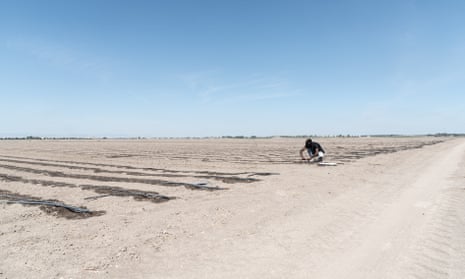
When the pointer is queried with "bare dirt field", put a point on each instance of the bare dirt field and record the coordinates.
(232, 208)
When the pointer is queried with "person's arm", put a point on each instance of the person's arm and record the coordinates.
(315, 154)
(302, 153)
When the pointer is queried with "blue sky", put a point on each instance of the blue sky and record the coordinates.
(212, 68)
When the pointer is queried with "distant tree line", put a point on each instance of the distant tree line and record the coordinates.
(232, 137)
(447, 135)
(43, 138)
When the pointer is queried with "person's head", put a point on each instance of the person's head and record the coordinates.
(308, 143)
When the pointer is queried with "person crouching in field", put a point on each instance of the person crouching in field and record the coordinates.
(314, 149)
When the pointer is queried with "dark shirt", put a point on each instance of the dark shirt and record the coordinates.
(313, 146)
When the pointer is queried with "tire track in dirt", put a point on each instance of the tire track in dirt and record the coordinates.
(436, 254)
(439, 252)
(415, 236)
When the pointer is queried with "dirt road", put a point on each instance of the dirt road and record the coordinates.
(393, 215)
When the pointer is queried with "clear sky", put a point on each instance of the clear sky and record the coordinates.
(215, 68)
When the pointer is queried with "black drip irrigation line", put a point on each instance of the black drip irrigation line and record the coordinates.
(204, 186)
(48, 205)
(121, 192)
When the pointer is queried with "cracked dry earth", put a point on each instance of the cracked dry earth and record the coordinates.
(232, 208)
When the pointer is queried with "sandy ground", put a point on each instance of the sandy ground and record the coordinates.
(391, 208)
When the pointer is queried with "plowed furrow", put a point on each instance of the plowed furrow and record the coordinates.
(107, 190)
(158, 182)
